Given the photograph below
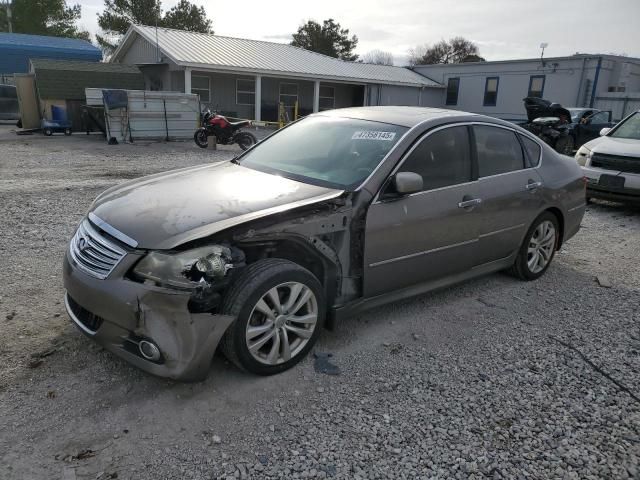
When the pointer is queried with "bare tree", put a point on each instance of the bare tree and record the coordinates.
(455, 50)
(378, 57)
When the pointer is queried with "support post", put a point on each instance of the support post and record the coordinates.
(187, 80)
(316, 96)
(258, 99)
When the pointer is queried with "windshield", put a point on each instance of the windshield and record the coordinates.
(630, 128)
(328, 151)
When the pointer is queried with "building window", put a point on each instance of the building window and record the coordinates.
(201, 86)
(288, 94)
(536, 86)
(453, 85)
(491, 92)
(327, 98)
(245, 91)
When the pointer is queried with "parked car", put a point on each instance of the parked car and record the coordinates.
(611, 163)
(9, 108)
(564, 129)
(337, 213)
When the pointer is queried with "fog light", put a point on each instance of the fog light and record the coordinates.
(149, 350)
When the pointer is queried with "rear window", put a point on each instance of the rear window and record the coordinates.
(498, 149)
(533, 151)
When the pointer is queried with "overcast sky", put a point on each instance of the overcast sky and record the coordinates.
(503, 29)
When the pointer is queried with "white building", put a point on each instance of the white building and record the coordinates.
(607, 82)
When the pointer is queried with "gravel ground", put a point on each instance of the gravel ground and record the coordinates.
(494, 378)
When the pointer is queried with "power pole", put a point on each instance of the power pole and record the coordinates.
(7, 4)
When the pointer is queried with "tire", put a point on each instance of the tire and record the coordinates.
(48, 132)
(246, 140)
(249, 296)
(521, 267)
(67, 131)
(201, 138)
(565, 145)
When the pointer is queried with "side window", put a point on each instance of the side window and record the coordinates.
(533, 151)
(442, 158)
(499, 151)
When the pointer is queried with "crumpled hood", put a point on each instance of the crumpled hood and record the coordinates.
(165, 210)
(615, 146)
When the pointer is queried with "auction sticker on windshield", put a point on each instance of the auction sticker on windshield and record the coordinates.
(373, 135)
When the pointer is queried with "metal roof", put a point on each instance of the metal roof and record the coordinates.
(215, 52)
(16, 49)
(80, 66)
(67, 80)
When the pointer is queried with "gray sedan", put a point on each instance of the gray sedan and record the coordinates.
(337, 213)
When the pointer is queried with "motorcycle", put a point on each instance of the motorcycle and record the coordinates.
(226, 132)
(551, 123)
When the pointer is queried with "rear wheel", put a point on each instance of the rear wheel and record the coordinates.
(538, 248)
(48, 132)
(200, 137)
(246, 140)
(565, 145)
(279, 309)
(67, 131)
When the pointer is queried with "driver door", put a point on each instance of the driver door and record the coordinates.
(429, 234)
(592, 126)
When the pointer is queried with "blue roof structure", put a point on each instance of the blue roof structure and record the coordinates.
(17, 48)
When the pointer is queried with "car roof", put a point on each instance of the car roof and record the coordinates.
(403, 116)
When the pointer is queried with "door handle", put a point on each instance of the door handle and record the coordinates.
(469, 203)
(533, 185)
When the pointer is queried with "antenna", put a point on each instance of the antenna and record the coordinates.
(543, 45)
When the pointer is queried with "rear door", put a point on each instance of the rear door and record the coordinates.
(430, 234)
(510, 188)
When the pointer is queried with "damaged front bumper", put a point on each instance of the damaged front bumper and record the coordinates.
(119, 314)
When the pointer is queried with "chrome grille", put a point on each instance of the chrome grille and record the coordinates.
(93, 253)
(616, 162)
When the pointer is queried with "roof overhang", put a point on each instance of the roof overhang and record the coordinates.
(133, 31)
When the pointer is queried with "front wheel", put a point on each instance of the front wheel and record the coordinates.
(539, 247)
(200, 137)
(279, 308)
(245, 140)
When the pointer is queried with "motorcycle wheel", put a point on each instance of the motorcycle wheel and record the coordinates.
(200, 137)
(246, 140)
(565, 145)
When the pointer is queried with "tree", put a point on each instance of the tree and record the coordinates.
(456, 50)
(378, 57)
(329, 39)
(118, 16)
(187, 16)
(43, 17)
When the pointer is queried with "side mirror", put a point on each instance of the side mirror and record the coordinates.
(604, 131)
(406, 183)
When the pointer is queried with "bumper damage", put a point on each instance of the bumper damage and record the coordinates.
(119, 314)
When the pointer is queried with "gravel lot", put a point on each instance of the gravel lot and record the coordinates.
(494, 378)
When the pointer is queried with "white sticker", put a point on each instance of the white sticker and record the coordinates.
(373, 135)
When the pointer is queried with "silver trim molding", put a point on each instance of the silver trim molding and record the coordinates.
(418, 254)
(73, 317)
(98, 222)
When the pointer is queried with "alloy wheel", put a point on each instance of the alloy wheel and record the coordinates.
(281, 323)
(541, 246)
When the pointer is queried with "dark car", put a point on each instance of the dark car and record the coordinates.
(9, 108)
(337, 213)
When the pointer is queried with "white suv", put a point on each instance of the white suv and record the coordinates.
(611, 162)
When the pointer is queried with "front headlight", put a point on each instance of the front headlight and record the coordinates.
(185, 270)
(582, 155)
